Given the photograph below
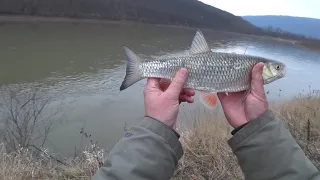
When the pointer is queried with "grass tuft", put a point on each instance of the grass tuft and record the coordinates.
(207, 155)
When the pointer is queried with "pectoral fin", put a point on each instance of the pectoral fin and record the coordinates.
(209, 99)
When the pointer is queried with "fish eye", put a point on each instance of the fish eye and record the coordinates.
(277, 67)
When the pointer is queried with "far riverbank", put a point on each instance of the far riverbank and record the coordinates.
(310, 44)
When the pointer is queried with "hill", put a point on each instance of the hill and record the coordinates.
(297, 25)
(173, 12)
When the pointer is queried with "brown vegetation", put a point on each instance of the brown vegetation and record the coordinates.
(312, 44)
(23, 165)
(302, 118)
(187, 13)
(207, 155)
(300, 40)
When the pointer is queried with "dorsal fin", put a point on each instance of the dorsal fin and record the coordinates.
(199, 44)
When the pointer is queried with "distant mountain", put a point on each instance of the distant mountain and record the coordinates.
(298, 25)
(173, 12)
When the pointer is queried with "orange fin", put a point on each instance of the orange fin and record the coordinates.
(209, 99)
(164, 84)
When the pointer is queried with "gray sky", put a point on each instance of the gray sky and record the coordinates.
(301, 8)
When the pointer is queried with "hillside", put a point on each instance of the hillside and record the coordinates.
(298, 25)
(173, 12)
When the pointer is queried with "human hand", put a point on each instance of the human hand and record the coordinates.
(238, 110)
(163, 105)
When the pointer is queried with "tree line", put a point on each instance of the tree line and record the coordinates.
(278, 32)
(174, 12)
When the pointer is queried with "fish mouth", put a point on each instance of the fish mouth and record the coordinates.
(283, 73)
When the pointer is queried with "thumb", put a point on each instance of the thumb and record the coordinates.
(153, 83)
(257, 81)
(178, 82)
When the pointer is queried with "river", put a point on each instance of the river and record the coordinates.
(83, 65)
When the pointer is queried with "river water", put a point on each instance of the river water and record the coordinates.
(82, 65)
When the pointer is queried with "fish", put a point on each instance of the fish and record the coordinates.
(209, 72)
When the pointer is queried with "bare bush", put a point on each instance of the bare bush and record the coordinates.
(25, 118)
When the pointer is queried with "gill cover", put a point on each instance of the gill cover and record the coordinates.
(273, 71)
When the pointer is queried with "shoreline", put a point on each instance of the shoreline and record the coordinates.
(52, 19)
(309, 44)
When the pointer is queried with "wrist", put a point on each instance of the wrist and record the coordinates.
(243, 123)
(238, 128)
(159, 118)
(239, 123)
(171, 127)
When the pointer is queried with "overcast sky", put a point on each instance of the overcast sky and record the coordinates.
(302, 8)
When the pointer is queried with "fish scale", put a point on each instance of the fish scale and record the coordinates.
(217, 72)
(208, 71)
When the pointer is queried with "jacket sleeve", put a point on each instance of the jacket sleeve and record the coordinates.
(150, 150)
(266, 150)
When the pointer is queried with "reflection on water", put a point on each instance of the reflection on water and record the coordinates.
(83, 65)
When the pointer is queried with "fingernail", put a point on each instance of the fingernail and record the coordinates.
(183, 72)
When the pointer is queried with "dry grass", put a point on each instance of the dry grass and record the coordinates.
(302, 118)
(207, 155)
(23, 165)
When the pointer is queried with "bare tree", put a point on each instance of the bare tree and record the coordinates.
(25, 118)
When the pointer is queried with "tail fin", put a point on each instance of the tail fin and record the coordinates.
(132, 70)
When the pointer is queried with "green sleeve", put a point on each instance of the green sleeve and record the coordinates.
(150, 150)
(266, 150)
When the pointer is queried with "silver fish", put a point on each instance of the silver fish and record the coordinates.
(208, 71)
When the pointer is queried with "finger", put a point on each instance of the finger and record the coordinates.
(178, 82)
(189, 92)
(175, 126)
(257, 81)
(186, 98)
(164, 84)
(232, 96)
(153, 83)
(181, 100)
(221, 96)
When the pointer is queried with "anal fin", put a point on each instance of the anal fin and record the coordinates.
(209, 99)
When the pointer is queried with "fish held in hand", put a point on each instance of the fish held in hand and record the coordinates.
(209, 72)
